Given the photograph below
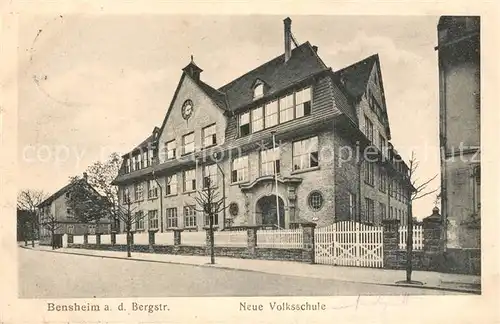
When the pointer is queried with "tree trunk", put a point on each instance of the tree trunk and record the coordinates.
(53, 240)
(409, 243)
(128, 243)
(33, 234)
(212, 252)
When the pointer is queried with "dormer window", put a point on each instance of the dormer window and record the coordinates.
(258, 91)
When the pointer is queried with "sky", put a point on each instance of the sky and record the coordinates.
(92, 85)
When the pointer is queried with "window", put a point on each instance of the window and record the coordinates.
(139, 220)
(369, 210)
(189, 180)
(369, 173)
(271, 118)
(152, 189)
(172, 220)
(69, 213)
(210, 176)
(383, 211)
(67, 195)
(145, 160)
(258, 91)
(152, 157)
(209, 136)
(257, 119)
(215, 220)
(305, 153)
(189, 216)
(126, 195)
(391, 215)
(188, 143)
(171, 147)
(286, 108)
(138, 191)
(171, 185)
(137, 162)
(382, 182)
(352, 206)
(71, 229)
(126, 164)
(239, 169)
(381, 143)
(303, 103)
(153, 219)
(315, 200)
(244, 124)
(270, 159)
(368, 128)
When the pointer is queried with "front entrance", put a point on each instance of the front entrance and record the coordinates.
(268, 213)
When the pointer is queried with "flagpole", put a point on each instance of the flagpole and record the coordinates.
(276, 180)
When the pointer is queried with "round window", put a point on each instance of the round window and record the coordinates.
(233, 209)
(315, 200)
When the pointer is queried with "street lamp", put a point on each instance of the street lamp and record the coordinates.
(216, 157)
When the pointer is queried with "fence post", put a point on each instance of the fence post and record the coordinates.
(251, 240)
(151, 239)
(433, 244)
(391, 243)
(113, 238)
(177, 236)
(98, 239)
(85, 239)
(308, 242)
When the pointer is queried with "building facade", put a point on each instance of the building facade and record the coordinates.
(291, 141)
(56, 209)
(459, 110)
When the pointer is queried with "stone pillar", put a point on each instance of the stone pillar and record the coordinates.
(177, 236)
(308, 242)
(85, 239)
(151, 239)
(70, 238)
(113, 238)
(433, 241)
(252, 239)
(391, 243)
(98, 239)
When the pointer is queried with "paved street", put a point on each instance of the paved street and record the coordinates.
(55, 275)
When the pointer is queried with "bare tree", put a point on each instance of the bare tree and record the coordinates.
(129, 217)
(210, 204)
(418, 191)
(50, 222)
(29, 200)
(100, 177)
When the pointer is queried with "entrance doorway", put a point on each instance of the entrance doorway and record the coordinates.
(266, 207)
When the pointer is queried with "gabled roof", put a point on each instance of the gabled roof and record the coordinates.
(275, 73)
(355, 76)
(61, 192)
(217, 97)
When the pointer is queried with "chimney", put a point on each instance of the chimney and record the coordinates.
(288, 38)
(85, 176)
(315, 48)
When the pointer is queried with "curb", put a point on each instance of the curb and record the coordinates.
(215, 266)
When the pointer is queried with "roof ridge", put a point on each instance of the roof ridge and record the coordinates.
(373, 56)
(260, 66)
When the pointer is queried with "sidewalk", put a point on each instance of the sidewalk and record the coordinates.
(431, 280)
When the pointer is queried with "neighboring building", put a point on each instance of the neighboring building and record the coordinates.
(319, 117)
(56, 206)
(459, 110)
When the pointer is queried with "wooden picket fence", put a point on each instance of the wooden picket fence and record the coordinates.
(281, 239)
(418, 237)
(349, 243)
